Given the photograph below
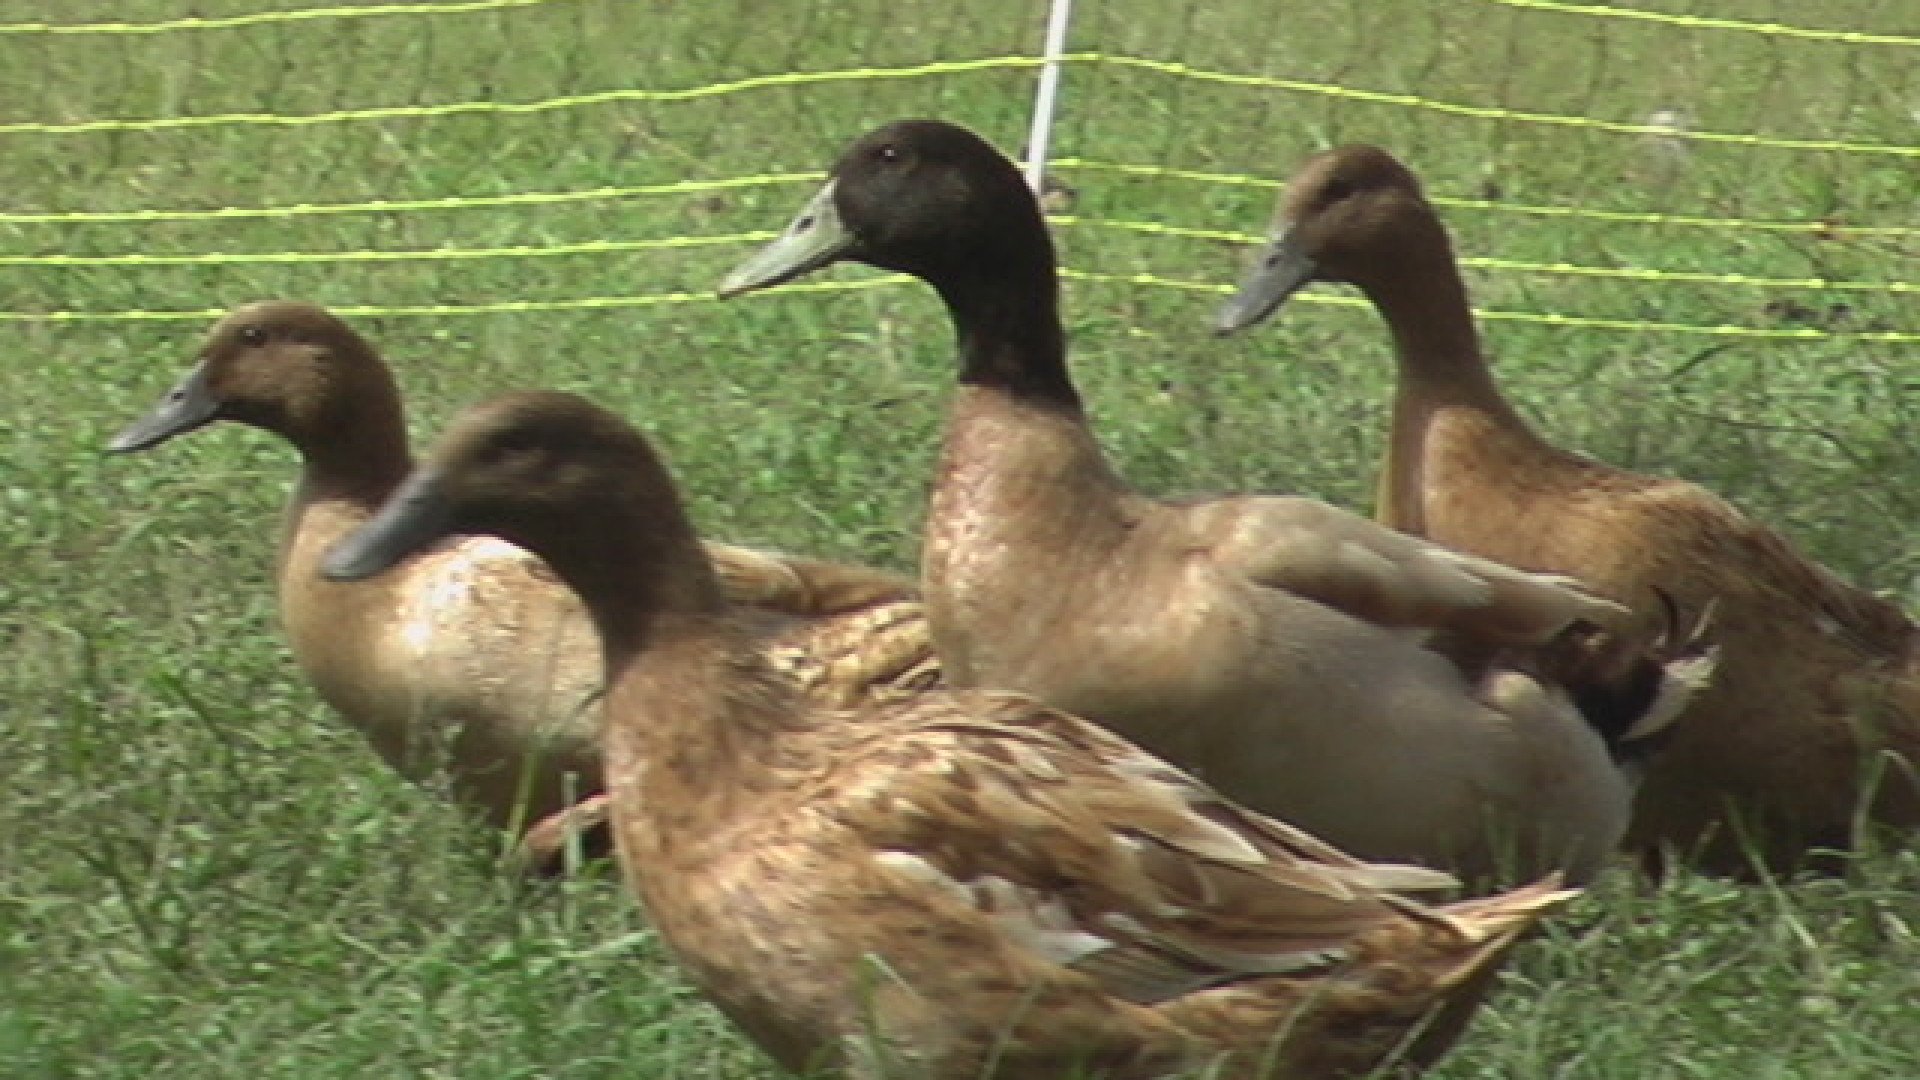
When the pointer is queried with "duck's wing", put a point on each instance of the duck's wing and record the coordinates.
(1089, 853)
(800, 587)
(1371, 572)
(1779, 583)
(876, 651)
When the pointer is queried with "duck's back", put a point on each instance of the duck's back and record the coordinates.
(1349, 729)
(1816, 675)
(793, 889)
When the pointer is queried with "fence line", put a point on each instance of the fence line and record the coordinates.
(1490, 112)
(1705, 22)
(1009, 62)
(1173, 68)
(696, 187)
(1542, 318)
(454, 7)
(259, 18)
(1624, 217)
(1150, 228)
(522, 108)
(1624, 273)
(493, 307)
(1142, 280)
(376, 255)
(384, 206)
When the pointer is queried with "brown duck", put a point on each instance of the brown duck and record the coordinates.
(1813, 721)
(475, 658)
(943, 885)
(1383, 692)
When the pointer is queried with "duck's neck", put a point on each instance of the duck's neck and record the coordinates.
(1007, 319)
(348, 467)
(356, 454)
(1021, 475)
(643, 576)
(694, 712)
(1442, 371)
(1017, 425)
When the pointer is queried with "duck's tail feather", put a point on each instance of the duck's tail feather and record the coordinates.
(1629, 693)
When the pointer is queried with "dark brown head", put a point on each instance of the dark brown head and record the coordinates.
(1349, 215)
(922, 197)
(549, 472)
(287, 367)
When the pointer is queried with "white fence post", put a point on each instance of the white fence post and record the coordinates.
(1047, 94)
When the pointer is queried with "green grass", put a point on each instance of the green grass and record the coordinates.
(204, 876)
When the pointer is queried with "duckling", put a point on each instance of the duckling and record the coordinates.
(1815, 716)
(1355, 681)
(475, 658)
(945, 884)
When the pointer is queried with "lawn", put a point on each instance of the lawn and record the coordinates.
(204, 875)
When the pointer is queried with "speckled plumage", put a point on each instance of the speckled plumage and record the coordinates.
(942, 884)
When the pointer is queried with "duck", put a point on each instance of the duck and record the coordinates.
(945, 884)
(476, 661)
(1813, 723)
(1404, 701)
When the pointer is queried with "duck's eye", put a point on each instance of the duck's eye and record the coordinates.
(1337, 191)
(252, 334)
(887, 152)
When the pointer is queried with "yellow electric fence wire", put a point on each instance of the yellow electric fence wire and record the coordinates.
(496, 307)
(1625, 273)
(258, 18)
(516, 251)
(1172, 68)
(592, 303)
(1689, 277)
(1702, 22)
(519, 108)
(696, 187)
(607, 247)
(1535, 317)
(1490, 112)
(806, 78)
(1692, 22)
(1624, 217)
(384, 206)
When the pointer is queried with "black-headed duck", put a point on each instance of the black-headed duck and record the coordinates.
(1818, 686)
(943, 885)
(475, 658)
(1306, 661)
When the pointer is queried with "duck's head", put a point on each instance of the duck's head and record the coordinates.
(1345, 218)
(288, 367)
(536, 468)
(922, 197)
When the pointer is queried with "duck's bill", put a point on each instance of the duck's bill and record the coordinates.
(814, 239)
(413, 519)
(1282, 270)
(187, 406)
